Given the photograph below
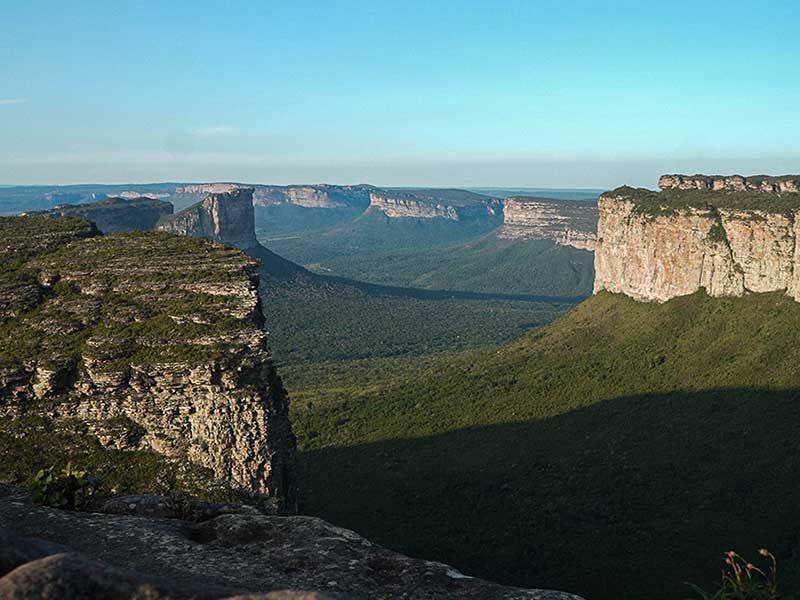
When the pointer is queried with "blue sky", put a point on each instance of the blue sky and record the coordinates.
(462, 93)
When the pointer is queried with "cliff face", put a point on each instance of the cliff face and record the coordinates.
(566, 223)
(735, 183)
(654, 247)
(225, 217)
(314, 196)
(454, 205)
(116, 214)
(145, 341)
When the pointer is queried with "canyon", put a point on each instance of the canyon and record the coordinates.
(730, 236)
(568, 223)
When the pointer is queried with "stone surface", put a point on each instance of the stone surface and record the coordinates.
(706, 242)
(117, 214)
(568, 223)
(761, 183)
(116, 556)
(147, 341)
(454, 205)
(314, 196)
(226, 217)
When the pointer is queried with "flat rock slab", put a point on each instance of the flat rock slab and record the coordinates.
(232, 553)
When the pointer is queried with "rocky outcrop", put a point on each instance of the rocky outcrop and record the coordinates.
(654, 246)
(148, 342)
(313, 196)
(220, 553)
(207, 188)
(225, 217)
(735, 183)
(454, 205)
(116, 214)
(568, 223)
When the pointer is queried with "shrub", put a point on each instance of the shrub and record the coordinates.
(69, 489)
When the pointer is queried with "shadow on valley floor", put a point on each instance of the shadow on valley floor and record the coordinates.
(628, 498)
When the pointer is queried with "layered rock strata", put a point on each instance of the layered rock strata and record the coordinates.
(568, 223)
(734, 183)
(454, 205)
(219, 552)
(116, 214)
(654, 246)
(150, 342)
(314, 196)
(225, 217)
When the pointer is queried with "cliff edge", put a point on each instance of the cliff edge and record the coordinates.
(567, 223)
(226, 217)
(138, 343)
(727, 239)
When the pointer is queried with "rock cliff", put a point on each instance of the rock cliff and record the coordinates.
(568, 223)
(314, 196)
(733, 183)
(655, 246)
(149, 547)
(116, 214)
(454, 205)
(143, 342)
(225, 217)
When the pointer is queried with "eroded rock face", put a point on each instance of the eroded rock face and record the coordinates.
(149, 341)
(230, 553)
(568, 223)
(454, 205)
(761, 183)
(225, 217)
(313, 196)
(130, 213)
(654, 252)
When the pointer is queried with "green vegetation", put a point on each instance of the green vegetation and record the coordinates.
(70, 488)
(667, 202)
(610, 453)
(742, 580)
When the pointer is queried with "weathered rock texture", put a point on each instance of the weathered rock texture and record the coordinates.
(149, 341)
(314, 196)
(733, 183)
(654, 246)
(116, 214)
(225, 217)
(569, 223)
(454, 205)
(225, 554)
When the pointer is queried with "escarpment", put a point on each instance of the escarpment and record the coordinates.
(454, 205)
(225, 217)
(655, 246)
(116, 214)
(313, 196)
(568, 223)
(732, 183)
(145, 343)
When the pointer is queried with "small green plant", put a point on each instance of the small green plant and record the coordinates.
(70, 488)
(742, 580)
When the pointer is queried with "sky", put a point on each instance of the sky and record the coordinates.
(443, 93)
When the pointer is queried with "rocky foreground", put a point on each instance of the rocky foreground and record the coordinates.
(148, 547)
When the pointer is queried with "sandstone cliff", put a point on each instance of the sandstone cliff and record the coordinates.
(734, 183)
(225, 217)
(454, 205)
(568, 223)
(314, 196)
(116, 214)
(145, 341)
(133, 548)
(655, 246)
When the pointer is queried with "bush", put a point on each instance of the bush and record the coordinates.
(70, 489)
(742, 580)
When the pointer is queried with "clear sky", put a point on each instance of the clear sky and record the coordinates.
(506, 93)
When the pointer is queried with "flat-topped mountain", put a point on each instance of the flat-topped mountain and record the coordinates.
(654, 246)
(566, 222)
(116, 214)
(732, 183)
(223, 216)
(451, 204)
(314, 196)
(138, 349)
